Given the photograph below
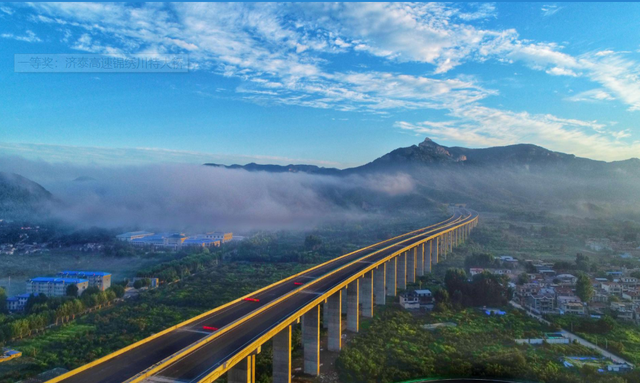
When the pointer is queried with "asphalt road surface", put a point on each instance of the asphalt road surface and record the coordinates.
(132, 362)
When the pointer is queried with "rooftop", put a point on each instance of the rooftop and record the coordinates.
(58, 280)
(101, 273)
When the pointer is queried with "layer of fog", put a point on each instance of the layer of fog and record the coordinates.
(193, 197)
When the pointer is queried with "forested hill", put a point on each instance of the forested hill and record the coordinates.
(20, 196)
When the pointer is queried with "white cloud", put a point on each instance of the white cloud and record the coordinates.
(28, 37)
(557, 71)
(6, 10)
(549, 10)
(592, 95)
(282, 54)
(482, 126)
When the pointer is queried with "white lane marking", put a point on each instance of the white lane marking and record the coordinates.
(198, 331)
(162, 379)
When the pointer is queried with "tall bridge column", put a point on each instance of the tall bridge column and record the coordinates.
(420, 264)
(392, 283)
(282, 356)
(379, 284)
(334, 306)
(402, 271)
(345, 302)
(411, 265)
(436, 252)
(243, 372)
(311, 341)
(450, 242)
(367, 295)
(325, 315)
(353, 306)
(427, 257)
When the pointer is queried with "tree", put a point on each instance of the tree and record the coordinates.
(455, 279)
(312, 242)
(72, 290)
(139, 283)
(3, 301)
(523, 278)
(584, 288)
(118, 290)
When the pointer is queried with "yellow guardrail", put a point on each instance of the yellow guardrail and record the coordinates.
(216, 373)
(202, 342)
(219, 308)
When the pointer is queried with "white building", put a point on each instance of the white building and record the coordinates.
(55, 287)
(18, 302)
(99, 279)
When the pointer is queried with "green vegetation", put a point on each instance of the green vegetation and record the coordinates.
(41, 311)
(397, 348)
(104, 331)
(484, 289)
(619, 338)
(584, 287)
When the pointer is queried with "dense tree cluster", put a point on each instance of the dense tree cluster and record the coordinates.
(484, 289)
(41, 311)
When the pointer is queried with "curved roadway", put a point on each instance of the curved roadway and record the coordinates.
(200, 362)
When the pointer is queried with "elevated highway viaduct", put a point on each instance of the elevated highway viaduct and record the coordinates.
(353, 283)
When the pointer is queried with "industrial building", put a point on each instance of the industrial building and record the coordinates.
(130, 236)
(178, 240)
(55, 287)
(100, 279)
(218, 236)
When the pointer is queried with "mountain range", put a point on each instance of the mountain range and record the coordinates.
(429, 154)
(497, 178)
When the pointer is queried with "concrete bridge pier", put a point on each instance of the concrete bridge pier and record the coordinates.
(450, 242)
(282, 356)
(427, 256)
(353, 306)
(380, 285)
(311, 341)
(392, 283)
(345, 302)
(420, 263)
(436, 253)
(411, 265)
(367, 295)
(243, 372)
(325, 315)
(335, 321)
(402, 271)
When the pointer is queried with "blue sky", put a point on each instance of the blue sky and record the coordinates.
(327, 84)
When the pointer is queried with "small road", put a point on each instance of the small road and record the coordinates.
(571, 336)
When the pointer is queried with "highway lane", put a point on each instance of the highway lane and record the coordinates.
(199, 363)
(130, 363)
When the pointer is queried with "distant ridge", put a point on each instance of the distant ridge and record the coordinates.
(429, 154)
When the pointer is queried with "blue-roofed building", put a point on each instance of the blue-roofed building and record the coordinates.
(55, 287)
(130, 236)
(17, 302)
(100, 279)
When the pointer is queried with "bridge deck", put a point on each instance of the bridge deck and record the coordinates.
(132, 362)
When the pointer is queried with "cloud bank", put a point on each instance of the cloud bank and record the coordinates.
(193, 198)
